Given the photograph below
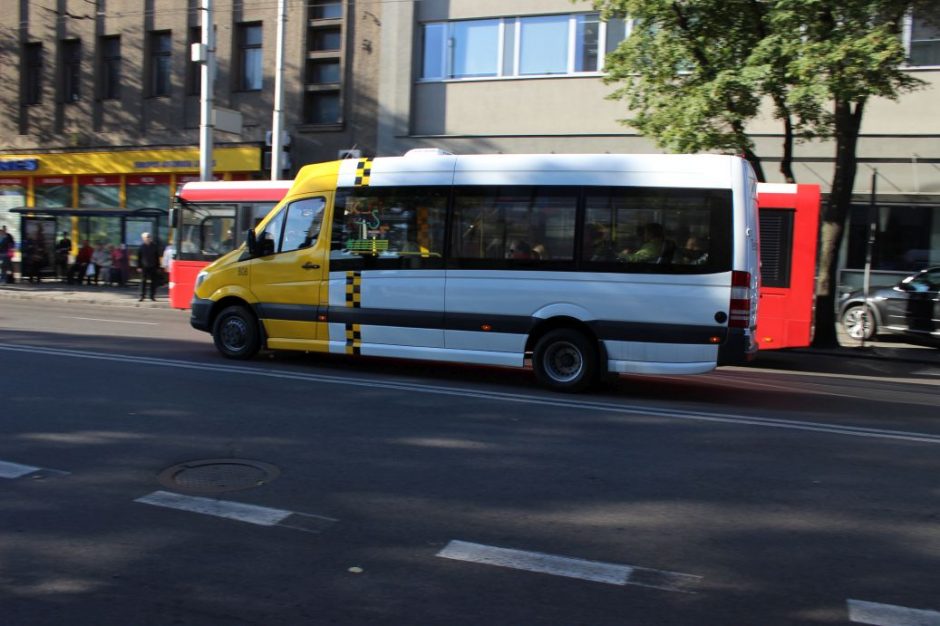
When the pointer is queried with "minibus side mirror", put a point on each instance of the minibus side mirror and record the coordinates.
(251, 242)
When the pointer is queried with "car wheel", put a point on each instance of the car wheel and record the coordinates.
(235, 333)
(565, 360)
(857, 325)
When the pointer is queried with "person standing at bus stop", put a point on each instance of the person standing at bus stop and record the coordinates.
(148, 260)
(7, 248)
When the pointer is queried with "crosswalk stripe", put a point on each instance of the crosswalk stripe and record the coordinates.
(249, 513)
(595, 571)
(862, 612)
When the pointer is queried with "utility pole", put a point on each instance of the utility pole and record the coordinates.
(206, 57)
(277, 125)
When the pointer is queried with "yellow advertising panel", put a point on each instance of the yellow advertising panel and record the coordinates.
(225, 159)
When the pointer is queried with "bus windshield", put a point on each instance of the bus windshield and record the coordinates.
(210, 230)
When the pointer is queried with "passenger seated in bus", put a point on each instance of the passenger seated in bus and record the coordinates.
(519, 250)
(651, 250)
(599, 244)
(695, 251)
(539, 252)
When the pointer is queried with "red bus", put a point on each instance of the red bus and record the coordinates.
(789, 232)
(210, 219)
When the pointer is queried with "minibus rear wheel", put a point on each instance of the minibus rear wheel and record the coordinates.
(565, 360)
(235, 333)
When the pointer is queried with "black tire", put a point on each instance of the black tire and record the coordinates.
(236, 333)
(565, 360)
(854, 325)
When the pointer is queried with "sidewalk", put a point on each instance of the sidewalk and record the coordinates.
(884, 350)
(59, 291)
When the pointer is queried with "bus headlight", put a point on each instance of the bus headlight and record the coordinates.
(201, 278)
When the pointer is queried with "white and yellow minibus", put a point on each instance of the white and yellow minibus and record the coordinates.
(586, 264)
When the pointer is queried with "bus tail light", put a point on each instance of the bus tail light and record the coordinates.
(740, 311)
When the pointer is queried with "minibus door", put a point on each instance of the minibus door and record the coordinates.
(287, 274)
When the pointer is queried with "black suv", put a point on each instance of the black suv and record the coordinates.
(911, 308)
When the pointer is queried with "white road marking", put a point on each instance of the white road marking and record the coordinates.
(15, 470)
(595, 571)
(250, 513)
(111, 321)
(862, 612)
(499, 396)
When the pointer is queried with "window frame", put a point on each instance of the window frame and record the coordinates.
(70, 56)
(160, 63)
(908, 40)
(32, 66)
(250, 56)
(109, 68)
(437, 47)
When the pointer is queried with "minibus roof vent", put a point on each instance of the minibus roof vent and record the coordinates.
(428, 152)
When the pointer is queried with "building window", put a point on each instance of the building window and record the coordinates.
(71, 51)
(110, 51)
(193, 68)
(326, 10)
(250, 57)
(160, 57)
(32, 73)
(326, 39)
(322, 71)
(322, 107)
(544, 45)
(923, 42)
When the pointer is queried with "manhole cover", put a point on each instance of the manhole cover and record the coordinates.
(218, 475)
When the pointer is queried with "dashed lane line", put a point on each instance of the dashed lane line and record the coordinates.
(554, 401)
(876, 614)
(18, 470)
(594, 571)
(238, 511)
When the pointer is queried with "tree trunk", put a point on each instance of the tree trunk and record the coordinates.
(847, 124)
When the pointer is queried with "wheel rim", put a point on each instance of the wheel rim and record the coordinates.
(563, 362)
(857, 325)
(234, 334)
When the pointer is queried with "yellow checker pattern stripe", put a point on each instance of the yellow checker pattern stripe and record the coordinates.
(354, 301)
(363, 172)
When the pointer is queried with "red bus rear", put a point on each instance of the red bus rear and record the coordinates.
(789, 232)
(210, 219)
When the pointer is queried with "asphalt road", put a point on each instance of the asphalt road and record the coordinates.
(387, 492)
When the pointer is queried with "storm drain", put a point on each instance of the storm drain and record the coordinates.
(218, 475)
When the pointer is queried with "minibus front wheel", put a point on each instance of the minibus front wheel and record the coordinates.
(235, 333)
(565, 360)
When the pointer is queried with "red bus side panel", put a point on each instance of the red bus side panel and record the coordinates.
(785, 312)
(183, 282)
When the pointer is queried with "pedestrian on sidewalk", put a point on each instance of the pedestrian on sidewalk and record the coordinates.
(120, 265)
(80, 266)
(148, 260)
(7, 248)
(62, 250)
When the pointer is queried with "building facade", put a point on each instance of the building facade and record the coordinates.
(487, 76)
(101, 101)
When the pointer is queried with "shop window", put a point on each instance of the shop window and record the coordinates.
(250, 69)
(148, 192)
(160, 62)
(110, 69)
(53, 192)
(12, 195)
(99, 192)
(32, 73)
